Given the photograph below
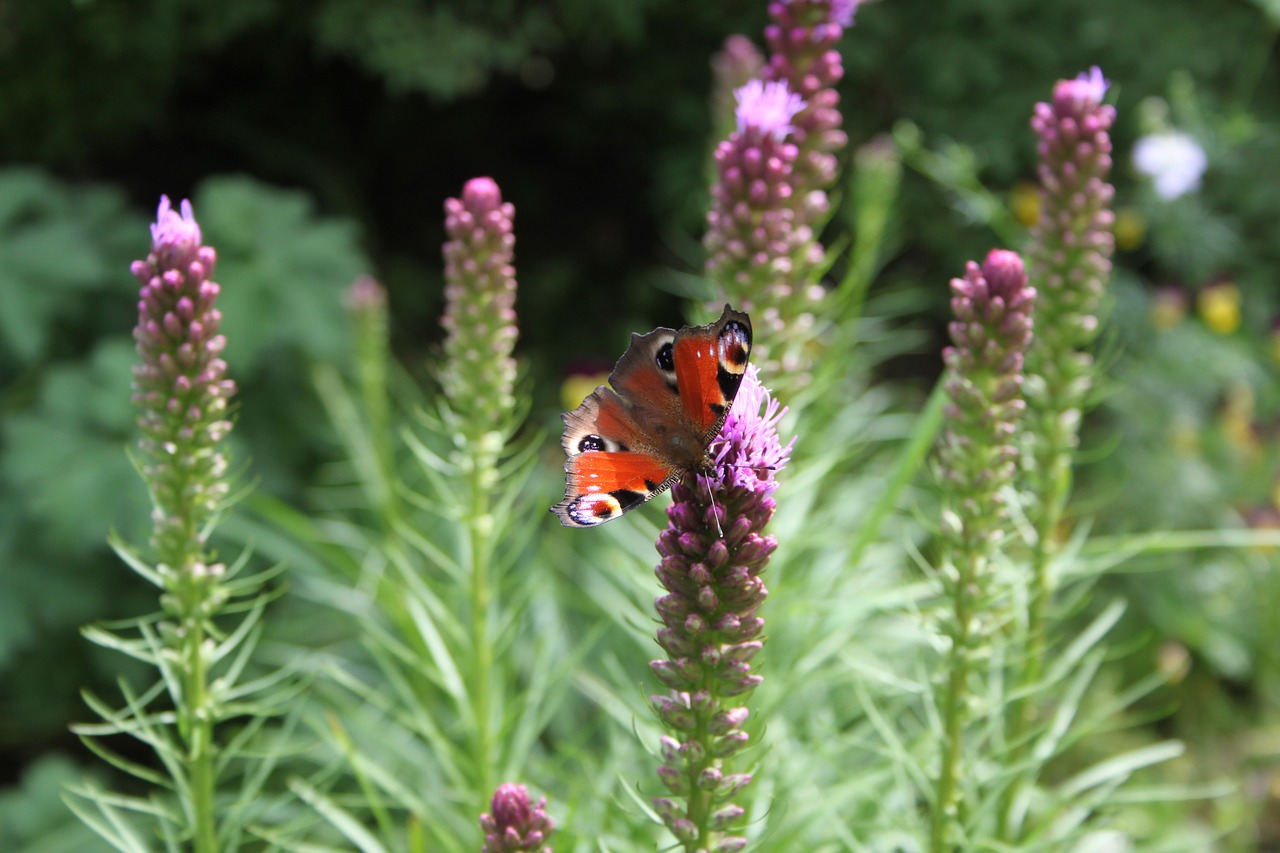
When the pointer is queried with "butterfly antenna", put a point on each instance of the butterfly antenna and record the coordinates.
(715, 513)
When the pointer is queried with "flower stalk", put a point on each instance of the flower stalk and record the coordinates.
(479, 383)
(1069, 264)
(183, 393)
(977, 462)
(712, 629)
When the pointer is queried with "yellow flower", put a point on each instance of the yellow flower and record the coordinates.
(577, 386)
(1024, 201)
(1219, 307)
(1130, 229)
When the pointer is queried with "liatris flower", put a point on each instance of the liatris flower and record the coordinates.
(711, 623)
(513, 824)
(990, 335)
(1070, 264)
(977, 460)
(801, 40)
(755, 250)
(480, 293)
(182, 389)
(1173, 160)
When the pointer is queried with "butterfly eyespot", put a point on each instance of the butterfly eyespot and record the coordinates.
(592, 509)
(590, 443)
(664, 358)
(735, 347)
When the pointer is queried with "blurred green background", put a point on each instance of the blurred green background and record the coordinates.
(318, 142)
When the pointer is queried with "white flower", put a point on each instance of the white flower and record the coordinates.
(1173, 161)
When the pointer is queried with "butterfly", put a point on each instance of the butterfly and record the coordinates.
(672, 391)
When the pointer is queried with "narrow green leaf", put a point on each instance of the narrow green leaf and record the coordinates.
(338, 817)
(1120, 767)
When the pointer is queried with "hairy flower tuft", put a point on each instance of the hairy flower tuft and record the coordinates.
(712, 630)
(767, 107)
(1087, 89)
(175, 237)
(513, 824)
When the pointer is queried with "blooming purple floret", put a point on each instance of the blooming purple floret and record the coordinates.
(711, 624)
(175, 237)
(513, 824)
(767, 107)
(1089, 87)
(181, 387)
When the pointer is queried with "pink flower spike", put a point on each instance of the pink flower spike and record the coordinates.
(769, 107)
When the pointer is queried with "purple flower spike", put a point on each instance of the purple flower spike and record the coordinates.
(992, 330)
(513, 824)
(180, 385)
(756, 249)
(802, 38)
(977, 462)
(767, 107)
(763, 242)
(480, 293)
(711, 630)
(1069, 264)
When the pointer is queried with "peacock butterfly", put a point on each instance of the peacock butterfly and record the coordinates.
(671, 393)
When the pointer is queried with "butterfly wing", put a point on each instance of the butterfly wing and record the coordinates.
(673, 393)
(709, 363)
(612, 466)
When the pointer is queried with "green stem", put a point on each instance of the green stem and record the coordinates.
(198, 732)
(699, 811)
(946, 806)
(479, 528)
(1053, 487)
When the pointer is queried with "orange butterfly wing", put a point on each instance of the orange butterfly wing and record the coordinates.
(673, 392)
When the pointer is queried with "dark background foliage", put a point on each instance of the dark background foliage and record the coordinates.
(319, 139)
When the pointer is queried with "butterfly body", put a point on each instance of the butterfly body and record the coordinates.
(671, 393)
